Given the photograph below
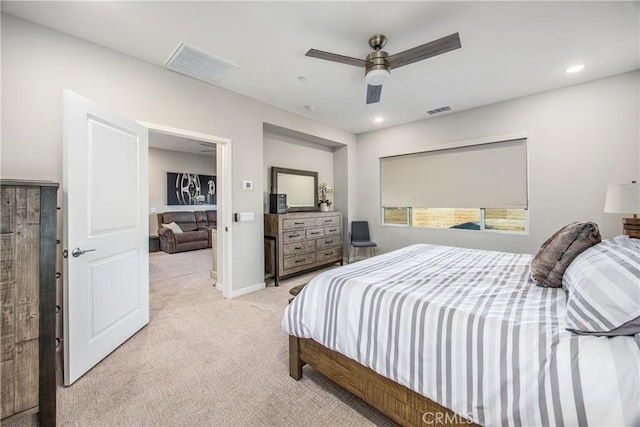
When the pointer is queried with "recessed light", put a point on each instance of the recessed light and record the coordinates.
(378, 119)
(301, 78)
(574, 69)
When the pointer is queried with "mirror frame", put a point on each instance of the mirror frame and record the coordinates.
(274, 186)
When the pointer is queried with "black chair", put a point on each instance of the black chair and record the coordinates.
(359, 237)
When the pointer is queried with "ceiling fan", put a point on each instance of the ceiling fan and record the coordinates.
(378, 64)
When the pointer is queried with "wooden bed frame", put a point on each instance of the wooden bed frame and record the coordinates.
(397, 402)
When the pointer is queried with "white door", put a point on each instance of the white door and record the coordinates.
(106, 289)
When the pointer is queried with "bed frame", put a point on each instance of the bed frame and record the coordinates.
(397, 402)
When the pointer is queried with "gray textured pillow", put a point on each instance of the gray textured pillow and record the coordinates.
(555, 255)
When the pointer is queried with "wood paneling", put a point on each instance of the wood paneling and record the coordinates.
(27, 293)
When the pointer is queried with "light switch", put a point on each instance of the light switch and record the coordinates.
(247, 185)
(246, 216)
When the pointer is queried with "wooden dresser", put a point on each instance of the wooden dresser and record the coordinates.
(28, 293)
(304, 241)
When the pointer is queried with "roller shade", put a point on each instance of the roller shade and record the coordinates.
(480, 176)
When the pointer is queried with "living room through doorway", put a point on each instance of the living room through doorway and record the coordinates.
(186, 186)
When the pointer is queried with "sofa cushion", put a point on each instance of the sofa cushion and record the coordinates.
(212, 217)
(201, 217)
(192, 236)
(186, 220)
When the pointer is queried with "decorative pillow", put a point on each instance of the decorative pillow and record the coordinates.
(555, 255)
(629, 242)
(173, 227)
(603, 285)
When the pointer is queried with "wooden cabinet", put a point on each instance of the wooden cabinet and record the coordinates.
(28, 294)
(304, 240)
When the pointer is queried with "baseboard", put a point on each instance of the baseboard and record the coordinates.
(247, 290)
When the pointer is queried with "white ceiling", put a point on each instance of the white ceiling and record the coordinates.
(509, 49)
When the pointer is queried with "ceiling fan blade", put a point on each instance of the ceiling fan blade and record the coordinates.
(427, 50)
(336, 58)
(373, 94)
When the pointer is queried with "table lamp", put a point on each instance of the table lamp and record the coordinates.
(625, 199)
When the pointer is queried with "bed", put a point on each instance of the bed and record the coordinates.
(440, 335)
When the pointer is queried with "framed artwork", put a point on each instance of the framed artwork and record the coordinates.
(190, 189)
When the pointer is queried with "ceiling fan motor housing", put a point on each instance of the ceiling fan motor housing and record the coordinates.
(378, 68)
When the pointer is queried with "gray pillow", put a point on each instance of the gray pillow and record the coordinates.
(555, 255)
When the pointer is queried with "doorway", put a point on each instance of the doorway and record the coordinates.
(221, 248)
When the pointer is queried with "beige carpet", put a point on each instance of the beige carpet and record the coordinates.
(206, 361)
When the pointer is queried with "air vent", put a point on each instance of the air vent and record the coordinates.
(199, 64)
(439, 110)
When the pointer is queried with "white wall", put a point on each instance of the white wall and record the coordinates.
(163, 161)
(38, 64)
(580, 139)
(287, 152)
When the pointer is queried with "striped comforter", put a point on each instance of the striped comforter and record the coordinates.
(469, 329)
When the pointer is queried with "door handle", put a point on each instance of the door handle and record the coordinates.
(76, 252)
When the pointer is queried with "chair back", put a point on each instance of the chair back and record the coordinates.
(360, 231)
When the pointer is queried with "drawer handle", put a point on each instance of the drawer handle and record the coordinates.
(328, 220)
(315, 232)
(298, 223)
(329, 241)
(298, 247)
(294, 235)
(327, 253)
(332, 230)
(301, 260)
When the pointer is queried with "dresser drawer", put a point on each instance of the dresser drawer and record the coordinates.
(314, 233)
(328, 220)
(331, 231)
(293, 224)
(301, 247)
(293, 235)
(328, 242)
(329, 254)
(299, 261)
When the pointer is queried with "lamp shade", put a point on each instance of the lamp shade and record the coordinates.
(623, 198)
(377, 76)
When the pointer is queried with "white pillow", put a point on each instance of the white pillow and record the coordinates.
(173, 227)
(603, 289)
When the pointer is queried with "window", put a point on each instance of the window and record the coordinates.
(446, 218)
(477, 187)
(397, 216)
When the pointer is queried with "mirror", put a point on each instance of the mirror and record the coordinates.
(301, 188)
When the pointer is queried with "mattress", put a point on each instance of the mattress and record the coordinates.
(469, 330)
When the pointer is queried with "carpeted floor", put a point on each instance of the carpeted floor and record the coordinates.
(207, 361)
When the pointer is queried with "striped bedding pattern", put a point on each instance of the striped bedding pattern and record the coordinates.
(469, 329)
(603, 287)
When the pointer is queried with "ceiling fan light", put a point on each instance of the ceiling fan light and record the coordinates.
(377, 77)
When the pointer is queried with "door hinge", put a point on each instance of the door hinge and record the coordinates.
(65, 253)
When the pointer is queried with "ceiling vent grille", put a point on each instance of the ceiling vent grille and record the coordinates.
(199, 64)
(439, 110)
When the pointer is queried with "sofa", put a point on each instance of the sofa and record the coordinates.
(186, 230)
